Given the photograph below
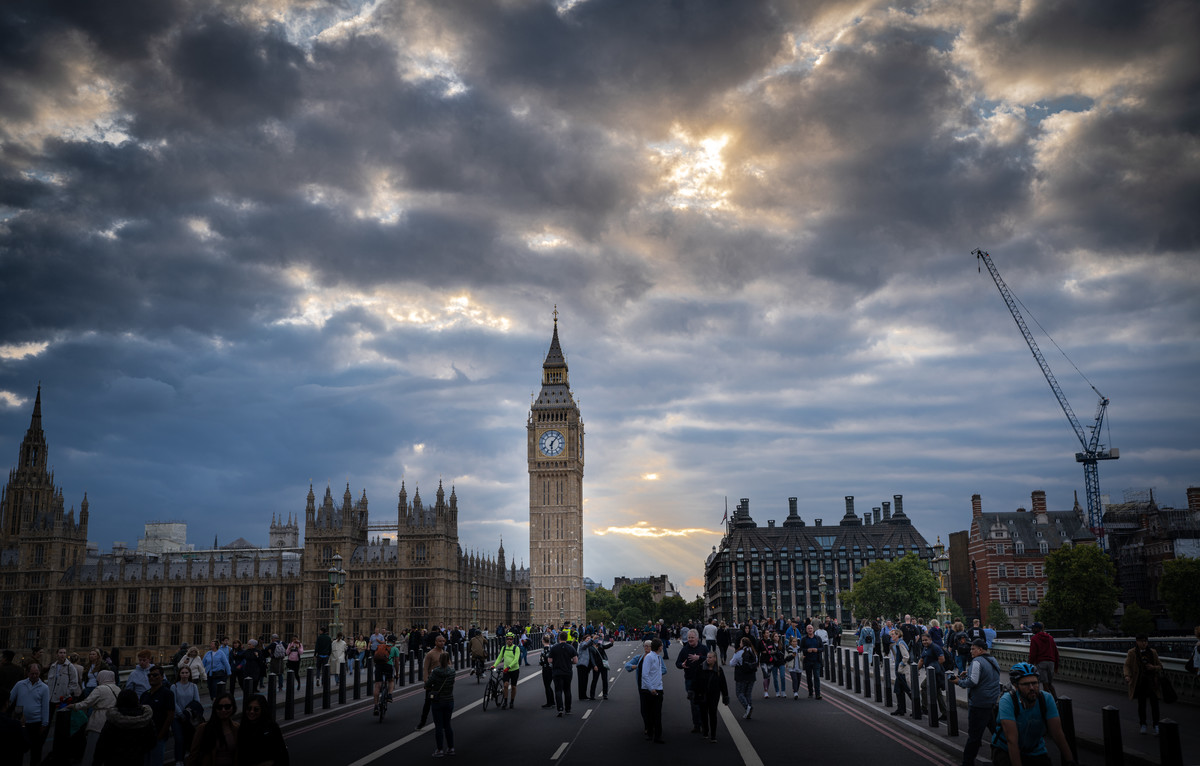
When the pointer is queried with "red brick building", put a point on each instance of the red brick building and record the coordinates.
(1008, 552)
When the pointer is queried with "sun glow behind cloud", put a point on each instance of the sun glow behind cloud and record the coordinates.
(693, 169)
(643, 529)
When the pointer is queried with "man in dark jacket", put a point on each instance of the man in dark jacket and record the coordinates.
(1043, 655)
(690, 658)
(982, 682)
(562, 659)
(322, 650)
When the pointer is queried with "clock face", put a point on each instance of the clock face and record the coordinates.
(551, 443)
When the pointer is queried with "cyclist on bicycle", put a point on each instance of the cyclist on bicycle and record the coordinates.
(478, 648)
(509, 659)
(387, 661)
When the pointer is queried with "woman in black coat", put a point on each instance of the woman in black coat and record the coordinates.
(259, 740)
(709, 690)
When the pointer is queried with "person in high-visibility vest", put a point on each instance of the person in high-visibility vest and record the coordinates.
(509, 658)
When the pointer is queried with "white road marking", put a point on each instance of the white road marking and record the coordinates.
(413, 735)
(586, 713)
(745, 749)
(559, 751)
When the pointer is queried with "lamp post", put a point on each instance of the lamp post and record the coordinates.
(337, 578)
(530, 607)
(474, 604)
(941, 563)
(822, 587)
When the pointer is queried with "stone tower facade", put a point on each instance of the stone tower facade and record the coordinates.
(555, 455)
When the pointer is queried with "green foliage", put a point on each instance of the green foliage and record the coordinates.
(602, 598)
(598, 616)
(956, 612)
(631, 617)
(893, 588)
(674, 609)
(1137, 620)
(1081, 589)
(697, 608)
(997, 617)
(1178, 590)
(639, 597)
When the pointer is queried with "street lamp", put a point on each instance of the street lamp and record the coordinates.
(337, 578)
(474, 604)
(530, 607)
(822, 587)
(941, 563)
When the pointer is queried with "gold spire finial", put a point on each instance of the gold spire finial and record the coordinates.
(556, 315)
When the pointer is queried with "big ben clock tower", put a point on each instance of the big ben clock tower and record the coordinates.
(555, 447)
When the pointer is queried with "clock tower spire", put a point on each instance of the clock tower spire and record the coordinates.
(555, 454)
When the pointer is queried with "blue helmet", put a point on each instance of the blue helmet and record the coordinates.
(1020, 670)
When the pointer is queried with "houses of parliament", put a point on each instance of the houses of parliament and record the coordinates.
(408, 570)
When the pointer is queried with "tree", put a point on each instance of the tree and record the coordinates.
(997, 616)
(697, 609)
(640, 597)
(1178, 590)
(674, 609)
(631, 618)
(1137, 621)
(602, 598)
(1081, 588)
(598, 616)
(891, 588)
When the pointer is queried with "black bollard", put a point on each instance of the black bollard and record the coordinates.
(838, 655)
(342, 685)
(247, 690)
(413, 669)
(867, 661)
(1110, 721)
(1066, 713)
(877, 661)
(358, 680)
(309, 683)
(857, 673)
(325, 695)
(289, 697)
(931, 687)
(915, 691)
(827, 665)
(1170, 753)
(951, 709)
(272, 696)
(887, 683)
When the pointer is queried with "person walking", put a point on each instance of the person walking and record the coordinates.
(932, 656)
(1043, 655)
(899, 657)
(432, 657)
(865, 640)
(562, 659)
(259, 739)
(1024, 717)
(811, 649)
(600, 646)
(650, 688)
(216, 739)
(33, 695)
(187, 701)
(102, 699)
(1143, 670)
(63, 678)
(128, 735)
(547, 670)
(440, 688)
(337, 656)
(690, 658)
(161, 702)
(584, 667)
(710, 690)
(745, 668)
(216, 669)
(723, 641)
(982, 682)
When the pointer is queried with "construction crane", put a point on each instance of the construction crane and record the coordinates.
(1093, 451)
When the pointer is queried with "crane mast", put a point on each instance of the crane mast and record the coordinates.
(1093, 451)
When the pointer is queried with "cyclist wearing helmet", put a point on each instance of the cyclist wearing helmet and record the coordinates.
(385, 665)
(1025, 716)
(509, 659)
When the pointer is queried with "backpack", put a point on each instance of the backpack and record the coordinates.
(382, 653)
(994, 724)
(279, 651)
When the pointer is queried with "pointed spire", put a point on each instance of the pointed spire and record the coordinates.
(36, 422)
(554, 357)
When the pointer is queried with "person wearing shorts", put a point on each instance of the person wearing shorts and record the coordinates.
(509, 658)
(385, 671)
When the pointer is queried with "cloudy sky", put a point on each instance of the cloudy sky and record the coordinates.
(245, 246)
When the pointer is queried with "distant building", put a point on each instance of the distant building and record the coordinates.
(590, 585)
(1008, 553)
(1142, 536)
(660, 586)
(960, 582)
(756, 570)
(60, 591)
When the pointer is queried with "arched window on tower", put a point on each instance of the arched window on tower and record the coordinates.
(419, 553)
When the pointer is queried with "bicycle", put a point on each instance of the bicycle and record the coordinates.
(477, 669)
(494, 691)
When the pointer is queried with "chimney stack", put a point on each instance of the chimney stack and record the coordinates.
(791, 506)
(875, 512)
(976, 506)
(1193, 496)
(849, 505)
(898, 504)
(887, 510)
(1039, 501)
